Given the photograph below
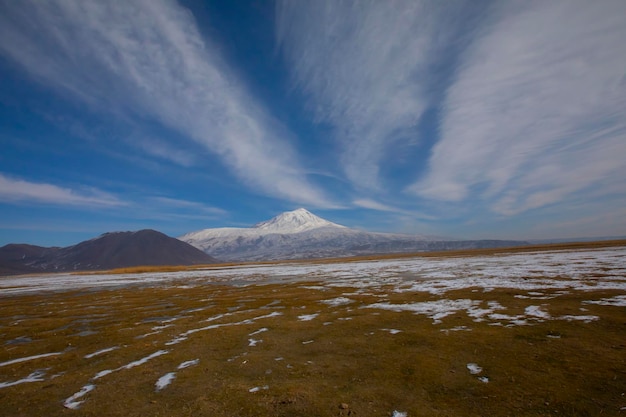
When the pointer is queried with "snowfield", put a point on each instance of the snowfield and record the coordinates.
(532, 271)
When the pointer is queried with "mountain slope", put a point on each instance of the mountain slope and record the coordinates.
(300, 234)
(111, 250)
(16, 258)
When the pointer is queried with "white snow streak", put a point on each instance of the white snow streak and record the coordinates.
(100, 352)
(131, 364)
(29, 358)
(71, 401)
(144, 360)
(261, 330)
(36, 376)
(187, 364)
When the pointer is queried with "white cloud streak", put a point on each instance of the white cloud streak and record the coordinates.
(146, 59)
(364, 67)
(16, 190)
(190, 205)
(374, 205)
(378, 206)
(537, 112)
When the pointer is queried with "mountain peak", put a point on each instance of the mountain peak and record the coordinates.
(295, 221)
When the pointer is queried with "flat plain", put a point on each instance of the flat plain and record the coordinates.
(524, 332)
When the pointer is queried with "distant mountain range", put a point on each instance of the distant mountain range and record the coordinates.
(296, 234)
(300, 234)
(109, 251)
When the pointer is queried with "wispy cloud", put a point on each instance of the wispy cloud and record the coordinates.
(190, 205)
(163, 150)
(365, 69)
(17, 190)
(537, 111)
(147, 59)
(373, 205)
(378, 206)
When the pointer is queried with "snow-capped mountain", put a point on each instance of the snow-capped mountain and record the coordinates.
(296, 221)
(300, 234)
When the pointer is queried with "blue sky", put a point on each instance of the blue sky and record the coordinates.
(475, 119)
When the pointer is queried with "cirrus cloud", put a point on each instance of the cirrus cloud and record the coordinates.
(146, 59)
(18, 190)
(364, 68)
(537, 110)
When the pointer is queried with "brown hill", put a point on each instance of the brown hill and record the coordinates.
(109, 251)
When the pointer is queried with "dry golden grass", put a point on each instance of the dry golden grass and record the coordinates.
(342, 356)
(146, 268)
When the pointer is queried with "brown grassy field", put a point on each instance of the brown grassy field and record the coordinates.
(310, 349)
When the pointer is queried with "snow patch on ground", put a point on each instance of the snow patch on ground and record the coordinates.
(144, 359)
(100, 352)
(457, 329)
(436, 310)
(585, 319)
(392, 331)
(131, 364)
(617, 301)
(307, 317)
(535, 311)
(187, 364)
(71, 402)
(261, 330)
(185, 335)
(29, 358)
(165, 380)
(439, 309)
(339, 301)
(36, 376)
(474, 368)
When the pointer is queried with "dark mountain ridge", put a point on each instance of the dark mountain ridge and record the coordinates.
(108, 251)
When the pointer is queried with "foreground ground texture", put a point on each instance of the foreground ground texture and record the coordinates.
(506, 334)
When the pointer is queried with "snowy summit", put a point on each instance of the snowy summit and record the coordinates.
(296, 221)
(300, 234)
(292, 234)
